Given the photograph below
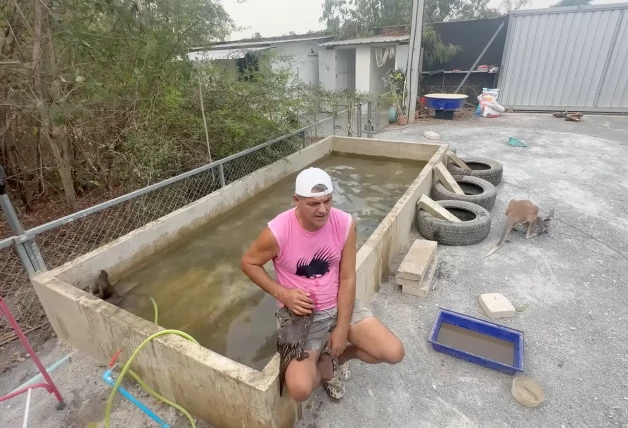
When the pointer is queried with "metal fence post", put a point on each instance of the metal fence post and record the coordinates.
(333, 123)
(369, 119)
(221, 171)
(358, 120)
(29, 249)
(379, 114)
(304, 139)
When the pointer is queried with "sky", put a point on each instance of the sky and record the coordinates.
(279, 17)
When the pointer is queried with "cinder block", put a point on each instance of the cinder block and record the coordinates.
(426, 203)
(417, 260)
(497, 305)
(446, 178)
(423, 288)
(431, 135)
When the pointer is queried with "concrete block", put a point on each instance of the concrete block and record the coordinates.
(431, 135)
(448, 181)
(417, 260)
(423, 288)
(497, 305)
(455, 159)
(426, 203)
(418, 292)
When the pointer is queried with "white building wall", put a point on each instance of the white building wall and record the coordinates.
(327, 68)
(363, 68)
(301, 57)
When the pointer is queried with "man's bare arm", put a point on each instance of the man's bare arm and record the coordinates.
(263, 249)
(346, 292)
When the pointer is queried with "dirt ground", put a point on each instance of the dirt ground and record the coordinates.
(573, 280)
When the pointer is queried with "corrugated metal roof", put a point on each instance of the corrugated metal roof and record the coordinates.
(223, 53)
(262, 42)
(366, 41)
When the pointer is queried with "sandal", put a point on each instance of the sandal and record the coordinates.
(335, 387)
(344, 371)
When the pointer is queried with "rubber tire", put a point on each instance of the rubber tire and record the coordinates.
(486, 199)
(493, 175)
(458, 233)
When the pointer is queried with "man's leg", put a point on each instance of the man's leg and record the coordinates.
(372, 343)
(302, 377)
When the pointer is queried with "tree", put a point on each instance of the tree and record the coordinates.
(563, 3)
(81, 68)
(360, 18)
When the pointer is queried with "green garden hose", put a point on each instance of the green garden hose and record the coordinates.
(127, 368)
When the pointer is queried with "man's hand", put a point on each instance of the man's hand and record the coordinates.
(297, 301)
(338, 341)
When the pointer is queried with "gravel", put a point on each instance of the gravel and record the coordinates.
(573, 279)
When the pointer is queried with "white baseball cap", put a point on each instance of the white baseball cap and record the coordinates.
(310, 178)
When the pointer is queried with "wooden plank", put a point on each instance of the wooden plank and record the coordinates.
(448, 181)
(427, 204)
(455, 159)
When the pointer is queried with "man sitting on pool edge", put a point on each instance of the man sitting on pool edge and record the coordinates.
(313, 249)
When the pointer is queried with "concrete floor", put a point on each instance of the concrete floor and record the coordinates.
(574, 283)
(574, 280)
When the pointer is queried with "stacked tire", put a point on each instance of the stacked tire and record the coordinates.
(472, 208)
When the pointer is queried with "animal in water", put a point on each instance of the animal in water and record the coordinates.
(523, 212)
(103, 289)
(291, 342)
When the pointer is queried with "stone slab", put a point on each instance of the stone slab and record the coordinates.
(423, 288)
(497, 306)
(433, 208)
(445, 177)
(417, 260)
(431, 135)
(455, 159)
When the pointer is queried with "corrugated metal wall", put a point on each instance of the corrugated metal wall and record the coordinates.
(567, 58)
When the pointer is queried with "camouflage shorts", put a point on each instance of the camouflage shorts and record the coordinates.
(324, 323)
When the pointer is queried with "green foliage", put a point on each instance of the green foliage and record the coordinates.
(564, 3)
(128, 99)
(361, 18)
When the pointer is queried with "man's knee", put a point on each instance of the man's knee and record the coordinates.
(394, 353)
(300, 388)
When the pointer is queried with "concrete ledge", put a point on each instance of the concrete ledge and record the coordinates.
(211, 386)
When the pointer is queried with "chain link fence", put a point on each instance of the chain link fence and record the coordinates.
(53, 244)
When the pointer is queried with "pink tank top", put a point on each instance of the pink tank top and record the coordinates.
(311, 260)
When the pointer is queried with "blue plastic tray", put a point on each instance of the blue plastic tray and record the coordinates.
(484, 327)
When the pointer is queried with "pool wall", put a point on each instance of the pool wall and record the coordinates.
(214, 388)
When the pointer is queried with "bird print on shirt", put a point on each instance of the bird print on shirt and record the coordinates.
(319, 265)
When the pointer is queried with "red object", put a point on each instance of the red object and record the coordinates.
(49, 385)
(422, 101)
(114, 358)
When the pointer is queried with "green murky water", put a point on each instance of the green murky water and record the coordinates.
(198, 284)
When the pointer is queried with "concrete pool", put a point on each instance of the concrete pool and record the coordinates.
(199, 286)
(212, 386)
